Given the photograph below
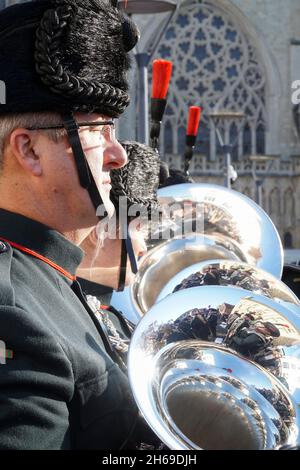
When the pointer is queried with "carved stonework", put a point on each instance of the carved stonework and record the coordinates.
(220, 62)
(217, 67)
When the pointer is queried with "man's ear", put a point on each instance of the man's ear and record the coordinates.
(22, 143)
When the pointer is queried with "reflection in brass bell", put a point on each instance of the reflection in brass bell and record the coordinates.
(219, 355)
(219, 334)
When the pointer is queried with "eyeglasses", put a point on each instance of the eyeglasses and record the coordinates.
(107, 128)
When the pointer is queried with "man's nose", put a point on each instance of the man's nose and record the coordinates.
(114, 156)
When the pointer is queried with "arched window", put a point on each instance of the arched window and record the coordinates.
(233, 137)
(203, 142)
(264, 200)
(289, 208)
(216, 67)
(288, 240)
(274, 205)
(181, 141)
(247, 141)
(260, 139)
(168, 138)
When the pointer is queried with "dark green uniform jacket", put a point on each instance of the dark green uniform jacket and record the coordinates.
(61, 389)
(103, 293)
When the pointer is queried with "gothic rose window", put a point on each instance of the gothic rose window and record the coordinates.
(216, 67)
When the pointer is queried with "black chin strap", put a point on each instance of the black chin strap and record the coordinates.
(126, 251)
(87, 181)
(85, 175)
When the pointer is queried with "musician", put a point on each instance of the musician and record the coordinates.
(135, 186)
(64, 64)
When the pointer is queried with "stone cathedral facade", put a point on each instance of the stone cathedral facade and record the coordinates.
(239, 55)
(243, 56)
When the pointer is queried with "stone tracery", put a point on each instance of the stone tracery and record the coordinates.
(218, 68)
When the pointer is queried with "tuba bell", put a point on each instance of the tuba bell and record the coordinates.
(219, 332)
(218, 224)
(222, 370)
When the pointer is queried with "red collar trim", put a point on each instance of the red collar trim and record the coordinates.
(41, 258)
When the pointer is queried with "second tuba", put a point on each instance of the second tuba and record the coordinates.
(219, 332)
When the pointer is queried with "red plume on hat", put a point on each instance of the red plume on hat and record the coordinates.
(162, 71)
(191, 135)
(194, 120)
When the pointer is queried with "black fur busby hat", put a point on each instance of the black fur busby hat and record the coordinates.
(171, 176)
(138, 180)
(65, 56)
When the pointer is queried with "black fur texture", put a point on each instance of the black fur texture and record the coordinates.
(173, 177)
(89, 51)
(139, 179)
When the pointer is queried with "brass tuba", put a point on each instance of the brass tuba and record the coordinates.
(218, 224)
(218, 368)
(214, 362)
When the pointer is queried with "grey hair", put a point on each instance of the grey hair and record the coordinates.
(10, 122)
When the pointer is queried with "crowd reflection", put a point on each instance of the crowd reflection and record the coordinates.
(254, 334)
(237, 275)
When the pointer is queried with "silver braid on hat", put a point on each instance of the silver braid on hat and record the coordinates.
(54, 75)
